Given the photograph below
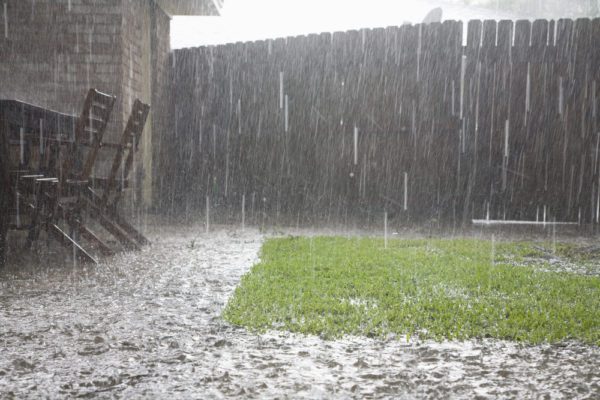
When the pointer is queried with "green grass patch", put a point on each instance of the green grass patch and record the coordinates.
(441, 289)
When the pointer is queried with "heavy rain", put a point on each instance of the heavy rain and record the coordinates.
(299, 199)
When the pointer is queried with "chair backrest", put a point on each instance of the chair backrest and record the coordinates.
(88, 132)
(129, 140)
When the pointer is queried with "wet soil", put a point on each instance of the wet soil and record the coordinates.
(148, 325)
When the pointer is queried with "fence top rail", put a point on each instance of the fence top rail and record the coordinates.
(553, 26)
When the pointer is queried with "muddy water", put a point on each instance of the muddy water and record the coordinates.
(147, 325)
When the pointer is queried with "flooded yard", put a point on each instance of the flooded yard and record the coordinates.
(148, 325)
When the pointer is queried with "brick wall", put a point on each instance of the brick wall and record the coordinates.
(52, 51)
(136, 79)
(146, 48)
(135, 26)
(160, 95)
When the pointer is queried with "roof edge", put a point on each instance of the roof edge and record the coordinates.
(191, 7)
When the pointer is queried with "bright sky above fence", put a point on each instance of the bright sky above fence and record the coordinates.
(244, 20)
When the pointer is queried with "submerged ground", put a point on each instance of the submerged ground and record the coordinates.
(149, 325)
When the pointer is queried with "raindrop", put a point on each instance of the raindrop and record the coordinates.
(355, 145)
(462, 137)
(463, 71)
(493, 255)
(598, 206)
(243, 212)
(506, 135)
(544, 220)
(239, 112)
(554, 236)
(505, 161)
(286, 113)
(22, 145)
(176, 122)
(76, 38)
(594, 102)
(528, 91)
(227, 165)
(74, 255)
(259, 125)
(364, 38)
(18, 216)
(561, 95)
(477, 114)
(453, 96)
(5, 22)
(134, 172)
(280, 89)
(207, 222)
(419, 44)
(41, 136)
(214, 135)
(199, 138)
(311, 252)
(230, 91)
(413, 121)
(405, 191)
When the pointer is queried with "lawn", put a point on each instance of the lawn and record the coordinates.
(440, 289)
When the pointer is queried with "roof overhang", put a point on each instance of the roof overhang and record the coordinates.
(191, 7)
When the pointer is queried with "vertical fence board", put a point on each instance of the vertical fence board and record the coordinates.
(505, 127)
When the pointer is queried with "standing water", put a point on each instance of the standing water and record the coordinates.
(148, 325)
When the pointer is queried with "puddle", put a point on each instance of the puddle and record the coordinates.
(148, 325)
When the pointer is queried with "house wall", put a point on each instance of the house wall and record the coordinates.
(135, 69)
(146, 47)
(53, 51)
(160, 118)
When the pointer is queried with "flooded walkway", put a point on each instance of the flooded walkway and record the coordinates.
(147, 325)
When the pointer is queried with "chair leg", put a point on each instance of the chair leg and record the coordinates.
(34, 228)
(69, 243)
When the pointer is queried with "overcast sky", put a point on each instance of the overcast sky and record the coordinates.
(244, 20)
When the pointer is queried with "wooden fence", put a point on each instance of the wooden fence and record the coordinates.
(410, 119)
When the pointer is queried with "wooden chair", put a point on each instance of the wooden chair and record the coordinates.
(59, 195)
(104, 206)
